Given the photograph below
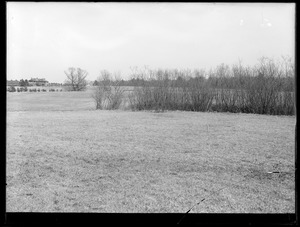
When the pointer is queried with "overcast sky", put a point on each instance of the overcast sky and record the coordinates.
(45, 39)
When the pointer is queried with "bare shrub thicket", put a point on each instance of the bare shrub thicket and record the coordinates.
(108, 93)
(266, 88)
(162, 90)
(201, 96)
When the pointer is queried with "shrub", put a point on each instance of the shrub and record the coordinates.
(108, 93)
(12, 89)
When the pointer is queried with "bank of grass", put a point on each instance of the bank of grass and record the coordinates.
(124, 161)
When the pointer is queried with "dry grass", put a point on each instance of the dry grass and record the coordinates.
(50, 101)
(63, 156)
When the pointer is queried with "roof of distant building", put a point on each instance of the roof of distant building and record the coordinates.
(38, 80)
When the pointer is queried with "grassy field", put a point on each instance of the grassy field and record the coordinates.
(65, 156)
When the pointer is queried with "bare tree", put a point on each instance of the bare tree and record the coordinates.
(76, 79)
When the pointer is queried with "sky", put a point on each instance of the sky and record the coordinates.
(45, 39)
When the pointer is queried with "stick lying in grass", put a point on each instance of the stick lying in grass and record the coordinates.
(189, 211)
(198, 204)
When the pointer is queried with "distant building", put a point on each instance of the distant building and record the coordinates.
(54, 84)
(13, 83)
(38, 82)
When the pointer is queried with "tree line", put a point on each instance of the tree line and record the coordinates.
(265, 88)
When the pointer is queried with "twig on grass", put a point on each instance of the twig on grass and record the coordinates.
(189, 211)
(197, 204)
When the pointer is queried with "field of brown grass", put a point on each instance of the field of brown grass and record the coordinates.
(65, 156)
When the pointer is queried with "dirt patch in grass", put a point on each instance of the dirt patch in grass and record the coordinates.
(123, 161)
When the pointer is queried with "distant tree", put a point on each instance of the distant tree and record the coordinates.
(96, 83)
(122, 83)
(12, 89)
(22, 83)
(26, 83)
(179, 81)
(76, 79)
